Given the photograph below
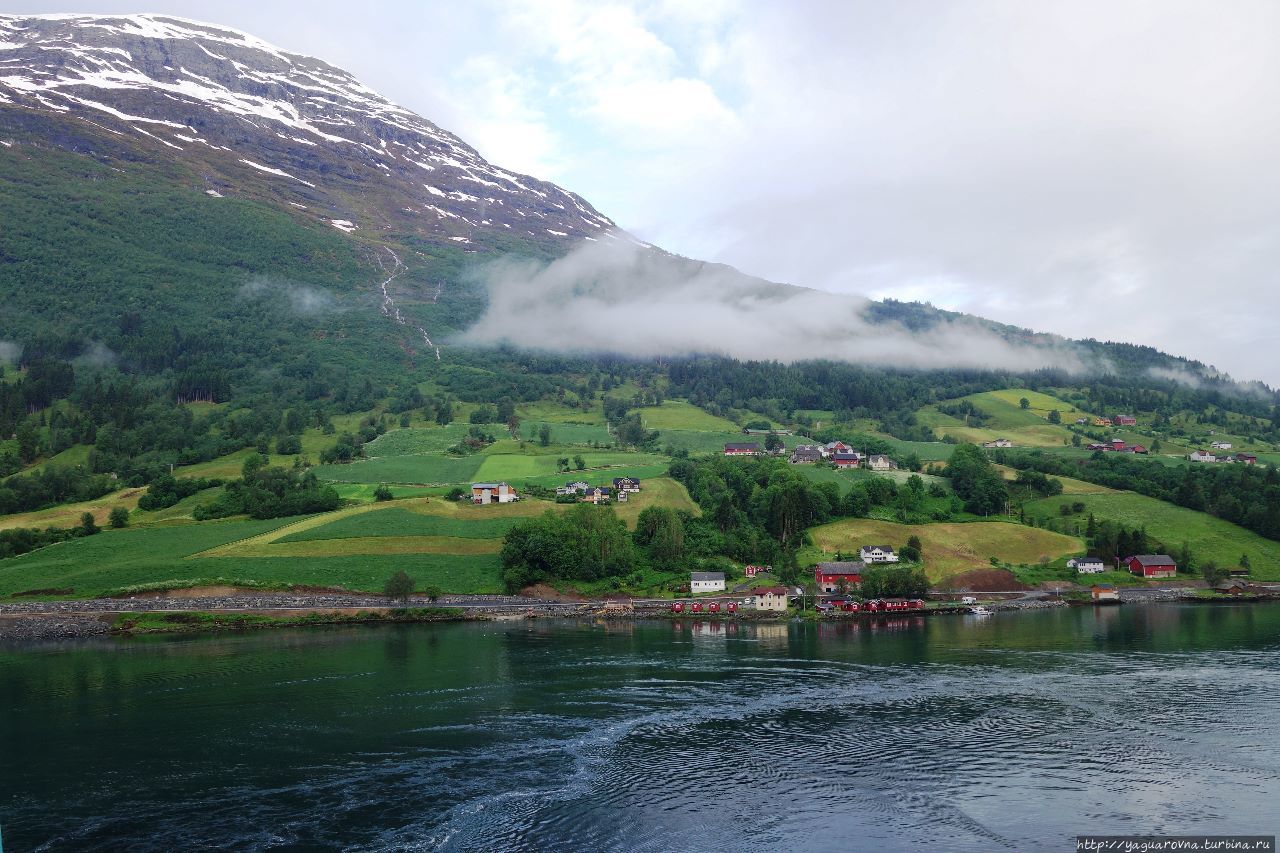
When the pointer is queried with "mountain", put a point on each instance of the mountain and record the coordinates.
(181, 197)
(258, 122)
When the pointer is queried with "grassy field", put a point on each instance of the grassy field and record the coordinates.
(395, 521)
(846, 477)
(238, 553)
(1025, 427)
(948, 548)
(1210, 538)
(1069, 486)
(567, 433)
(677, 414)
(68, 515)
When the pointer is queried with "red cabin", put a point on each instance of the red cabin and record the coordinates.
(697, 607)
(677, 607)
(916, 604)
(850, 607)
(732, 607)
(873, 606)
(713, 607)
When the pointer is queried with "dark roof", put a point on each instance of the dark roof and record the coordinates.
(618, 480)
(840, 454)
(873, 547)
(706, 576)
(1153, 559)
(844, 567)
(765, 590)
(742, 446)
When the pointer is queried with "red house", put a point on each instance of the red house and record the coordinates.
(1153, 565)
(829, 576)
(752, 571)
(1247, 458)
(1125, 420)
(842, 459)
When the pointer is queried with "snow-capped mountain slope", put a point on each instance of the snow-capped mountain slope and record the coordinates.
(254, 120)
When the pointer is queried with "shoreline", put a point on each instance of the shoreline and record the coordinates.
(93, 618)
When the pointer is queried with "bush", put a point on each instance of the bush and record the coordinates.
(382, 493)
(119, 518)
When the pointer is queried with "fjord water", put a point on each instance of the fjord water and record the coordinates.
(1015, 732)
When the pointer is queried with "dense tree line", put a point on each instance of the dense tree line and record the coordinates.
(270, 492)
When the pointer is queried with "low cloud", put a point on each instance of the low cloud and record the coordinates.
(97, 355)
(619, 298)
(10, 352)
(303, 300)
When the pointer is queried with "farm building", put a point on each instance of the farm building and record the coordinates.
(626, 484)
(1087, 565)
(595, 495)
(841, 459)
(1105, 592)
(1247, 458)
(1126, 420)
(739, 448)
(805, 454)
(706, 581)
(877, 554)
(492, 493)
(1220, 445)
(1152, 565)
(752, 571)
(831, 576)
(999, 442)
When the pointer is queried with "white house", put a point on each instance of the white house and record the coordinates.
(1221, 445)
(493, 493)
(878, 462)
(1087, 565)
(769, 598)
(999, 442)
(706, 581)
(1202, 456)
(877, 554)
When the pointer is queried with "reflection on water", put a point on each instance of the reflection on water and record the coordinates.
(1014, 732)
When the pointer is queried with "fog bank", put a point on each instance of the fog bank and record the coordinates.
(639, 302)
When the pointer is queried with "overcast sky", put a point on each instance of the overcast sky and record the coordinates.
(1096, 169)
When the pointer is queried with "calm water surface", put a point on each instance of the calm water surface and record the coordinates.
(1012, 732)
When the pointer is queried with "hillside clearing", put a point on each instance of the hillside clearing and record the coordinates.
(948, 548)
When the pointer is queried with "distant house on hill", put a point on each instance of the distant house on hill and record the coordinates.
(752, 571)
(574, 488)
(626, 484)
(706, 581)
(833, 447)
(879, 462)
(1126, 420)
(1221, 445)
(1152, 565)
(1247, 458)
(1087, 565)
(742, 449)
(829, 576)
(999, 442)
(1202, 456)
(1081, 421)
(492, 493)
(806, 454)
(1102, 422)
(595, 495)
(877, 554)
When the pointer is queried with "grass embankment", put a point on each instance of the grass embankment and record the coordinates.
(1069, 486)
(1209, 538)
(948, 548)
(198, 621)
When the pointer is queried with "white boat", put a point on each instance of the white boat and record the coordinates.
(979, 610)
